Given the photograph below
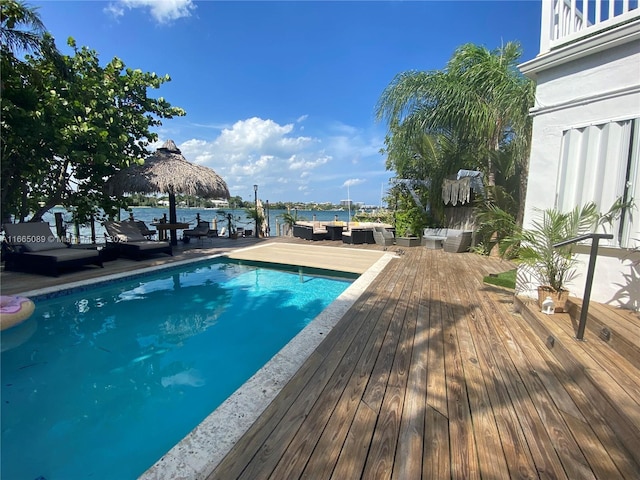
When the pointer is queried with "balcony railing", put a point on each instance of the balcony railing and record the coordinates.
(566, 20)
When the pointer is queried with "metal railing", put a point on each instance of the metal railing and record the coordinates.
(595, 241)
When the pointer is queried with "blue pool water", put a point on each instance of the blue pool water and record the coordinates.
(101, 383)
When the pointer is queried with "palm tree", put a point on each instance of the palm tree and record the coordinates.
(21, 28)
(480, 99)
(290, 220)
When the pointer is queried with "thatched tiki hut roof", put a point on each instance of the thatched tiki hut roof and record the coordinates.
(167, 171)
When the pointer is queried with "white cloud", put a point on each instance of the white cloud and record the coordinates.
(297, 163)
(256, 150)
(353, 181)
(285, 163)
(162, 11)
(114, 9)
(256, 134)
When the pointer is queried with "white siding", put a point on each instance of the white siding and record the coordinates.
(584, 91)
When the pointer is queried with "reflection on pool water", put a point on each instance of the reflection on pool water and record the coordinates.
(101, 383)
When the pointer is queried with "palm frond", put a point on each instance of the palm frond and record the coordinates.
(21, 28)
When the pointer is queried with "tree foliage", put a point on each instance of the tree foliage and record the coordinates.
(478, 110)
(68, 123)
(21, 28)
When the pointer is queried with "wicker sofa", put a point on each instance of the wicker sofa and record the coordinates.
(450, 239)
(358, 236)
(308, 232)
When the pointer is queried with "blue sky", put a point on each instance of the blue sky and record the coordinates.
(282, 94)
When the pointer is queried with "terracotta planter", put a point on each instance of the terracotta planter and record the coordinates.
(560, 298)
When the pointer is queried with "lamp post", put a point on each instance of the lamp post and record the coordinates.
(255, 192)
(268, 229)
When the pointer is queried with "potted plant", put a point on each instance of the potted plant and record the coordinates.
(553, 267)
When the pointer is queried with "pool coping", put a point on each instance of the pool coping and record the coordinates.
(200, 451)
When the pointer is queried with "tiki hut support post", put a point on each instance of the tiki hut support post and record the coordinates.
(173, 217)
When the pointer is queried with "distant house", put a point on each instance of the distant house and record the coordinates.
(217, 203)
(586, 124)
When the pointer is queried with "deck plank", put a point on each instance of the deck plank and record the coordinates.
(393, 367)
(437, 452)
(538, 437)
(334, 435)
(408, 455)
(582, 393)
(596, 383)
(560, 437)
(491, 459)
(304, 442)
(464, 455)
(376, 372)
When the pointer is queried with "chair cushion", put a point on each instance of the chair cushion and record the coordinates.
(151, 245)
(67, 254)
(32, 236)
(435, 232)
(124, 232)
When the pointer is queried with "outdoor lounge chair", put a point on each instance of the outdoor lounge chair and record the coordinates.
(144, 229)
(383, 237)
(129, 241)
(32, 247)
(201, 231)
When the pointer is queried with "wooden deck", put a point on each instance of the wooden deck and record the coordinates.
(309, 255)
(432, 375)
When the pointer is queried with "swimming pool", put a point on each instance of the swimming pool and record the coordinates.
(110, 378)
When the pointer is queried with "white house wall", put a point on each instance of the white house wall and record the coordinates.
(589, 90)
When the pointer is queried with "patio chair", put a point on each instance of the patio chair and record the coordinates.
(129, 241)
(145, 230)
(200, 231)
(32, 247)
(458, 242)
(383, 237)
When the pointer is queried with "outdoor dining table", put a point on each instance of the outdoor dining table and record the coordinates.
(164, 227)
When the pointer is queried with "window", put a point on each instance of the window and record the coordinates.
(600, 163)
